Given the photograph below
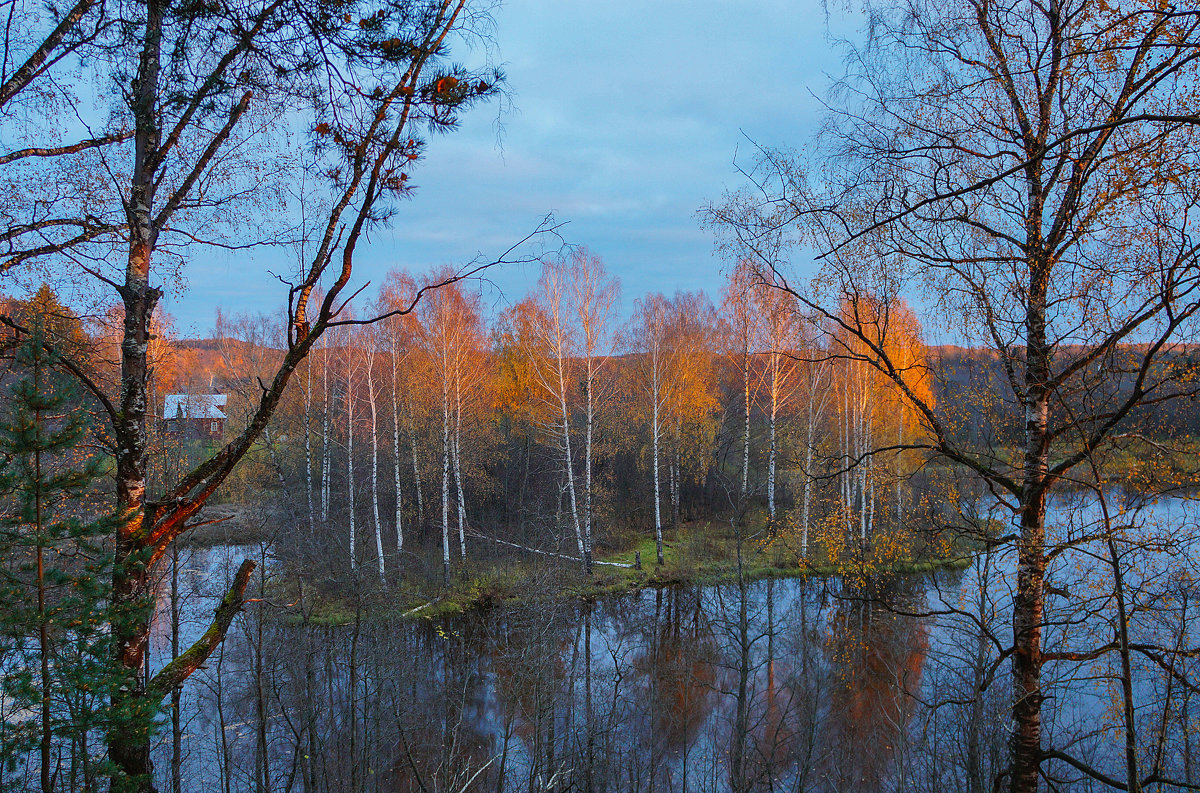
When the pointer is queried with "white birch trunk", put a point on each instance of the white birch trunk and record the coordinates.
(568, 460)
(445, 486)
(746, 433)
(308, 457)
(325, 466)
(371, 399)
(844, 442)
(458, 484)
(808, 455)
(396, 455)
(587, 468)
(814, 409)
(655, 388)
(412, 444)
(871, 498)
(859, 445)
(350, 451)
(771, 441)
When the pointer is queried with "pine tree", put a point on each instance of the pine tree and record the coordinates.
(56, 665)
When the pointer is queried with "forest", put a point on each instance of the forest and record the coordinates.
(549, 428)
(902, 497)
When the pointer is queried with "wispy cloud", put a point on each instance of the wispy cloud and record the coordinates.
(626, 118)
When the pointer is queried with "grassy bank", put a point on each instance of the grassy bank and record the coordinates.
(702, 553)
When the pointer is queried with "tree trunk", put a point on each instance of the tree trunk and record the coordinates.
(396, 457)
(308, 461)
(445, 486)
(412, 445)
(262, 745)
(350, 451)
(371, 399)
(325, 466)
(129, 745)
(1029, 599)
(1130, 718)
(177, 692)
(771, 441)
(568, 458)
(226, 771)
(746, 431)
(587, 468)
(1028, 617)
(458, 482)
(844, 437)
(43, 626)
(657, 433)
(808, 455)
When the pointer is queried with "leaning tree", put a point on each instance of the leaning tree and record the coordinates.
(1029, 171)
(207, 104)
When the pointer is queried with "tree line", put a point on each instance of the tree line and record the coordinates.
(555, 424)
(546, 428)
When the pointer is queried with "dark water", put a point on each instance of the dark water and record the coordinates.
(817, 685)
(777, 685)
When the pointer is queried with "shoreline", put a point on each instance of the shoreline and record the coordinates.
(482, 593)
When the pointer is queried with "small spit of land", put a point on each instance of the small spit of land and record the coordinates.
(698, 553)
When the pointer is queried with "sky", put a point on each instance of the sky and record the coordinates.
(622, 119)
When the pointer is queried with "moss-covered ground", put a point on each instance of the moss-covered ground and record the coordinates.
(699, 553)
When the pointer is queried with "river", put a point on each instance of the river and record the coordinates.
(893, 683)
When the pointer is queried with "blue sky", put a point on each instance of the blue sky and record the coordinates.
(623, 119)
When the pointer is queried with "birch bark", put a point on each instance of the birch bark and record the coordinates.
(395, 354)
(350, 448)
(370, 349)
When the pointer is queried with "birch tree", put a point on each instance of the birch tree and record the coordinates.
(595, 295)
(199, 90)
(325, 407)
(673, 341)
(370, 342)
(814, 390)
(647, 339)
(350, 401)
(308, 450)
(738, 310)
(401, 333)
(451, 339)
(1033, 168)
(874, 416)
(554, 351)
(780, 324)
(690, 388)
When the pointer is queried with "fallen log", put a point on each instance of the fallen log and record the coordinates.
(575, 559)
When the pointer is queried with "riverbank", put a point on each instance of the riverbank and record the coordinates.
(699, 554)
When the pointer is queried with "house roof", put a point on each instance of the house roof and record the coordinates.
(194, 406)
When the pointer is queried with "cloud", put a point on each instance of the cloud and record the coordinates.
(626, 119)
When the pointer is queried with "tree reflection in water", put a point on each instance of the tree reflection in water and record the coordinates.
(773, 686)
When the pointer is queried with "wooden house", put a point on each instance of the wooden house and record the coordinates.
(195, 415)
